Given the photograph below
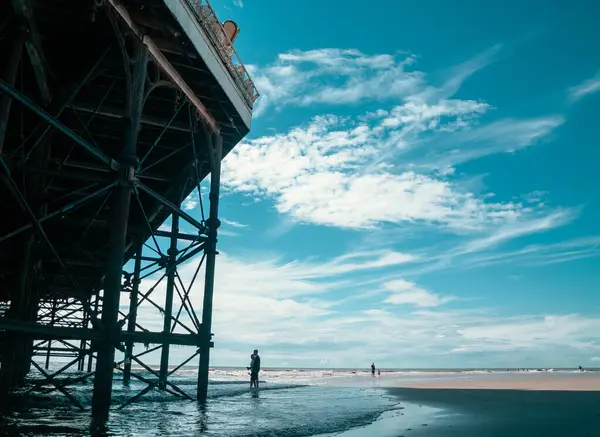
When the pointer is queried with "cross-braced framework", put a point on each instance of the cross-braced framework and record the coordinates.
(95, 159)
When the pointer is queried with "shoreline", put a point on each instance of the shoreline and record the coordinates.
(523, 405)
(497, 412)
(519, 405)
(524, 382)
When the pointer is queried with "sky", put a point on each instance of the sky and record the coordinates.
(419, 188)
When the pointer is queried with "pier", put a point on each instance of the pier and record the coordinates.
(112, 112)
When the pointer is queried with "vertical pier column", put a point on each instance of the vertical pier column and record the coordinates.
(49, 348)
(83, 343)
(7, 368)
(92, 344)
(133, 302)
(10, 76)
(121, 198)
(171, 266)
(215, 148)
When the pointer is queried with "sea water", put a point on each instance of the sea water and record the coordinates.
(289, 403)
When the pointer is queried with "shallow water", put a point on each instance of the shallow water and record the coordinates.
(283, 408)
(289, 403)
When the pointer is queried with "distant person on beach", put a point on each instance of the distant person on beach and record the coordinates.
(254, 369)
(378, 372)
(373, 369)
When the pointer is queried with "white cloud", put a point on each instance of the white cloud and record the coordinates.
(238, 3)
(535, 332)
(396, 165)
(233, 223)
(596, 359)
(535, 255)
(585, 88)
(330, 171)
(334, 76)
(191, 201)
(286, 309)
(347, 76)
(517, 229)
(166, 226)
(502, 136)
(356, 262)
(227, 233)
(408, 293)
(387, 166)
(459, 73)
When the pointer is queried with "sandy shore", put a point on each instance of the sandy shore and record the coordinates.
(525, 381)
(528, 405)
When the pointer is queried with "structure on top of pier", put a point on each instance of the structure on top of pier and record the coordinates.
(111, 113)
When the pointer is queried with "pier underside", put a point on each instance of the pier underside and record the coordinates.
(109, 119)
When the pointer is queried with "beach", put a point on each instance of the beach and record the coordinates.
(559, 381)
(528, 404)
(506, 412)
(337, 403)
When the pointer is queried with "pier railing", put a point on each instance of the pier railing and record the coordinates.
(207, 18)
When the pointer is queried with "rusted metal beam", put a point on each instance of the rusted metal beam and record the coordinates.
(165, 65)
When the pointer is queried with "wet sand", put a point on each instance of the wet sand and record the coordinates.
(516, 381)
(511, 405)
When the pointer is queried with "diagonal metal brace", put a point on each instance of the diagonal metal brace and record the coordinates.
(170, 205)
(5, 87)
(62, 210)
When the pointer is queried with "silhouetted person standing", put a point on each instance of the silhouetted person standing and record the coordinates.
(373, 369)
(255, 368)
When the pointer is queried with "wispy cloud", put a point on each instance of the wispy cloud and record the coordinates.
(191, 201)
(334, 77)
(228, 233)
(386, 166)
(328, 172)
(540, 254)
(284, 306)
(233, 223)
(238, 3)
(407, 293)
(519, 228)
(535, 333)
(458, 74)
(585, 88)
(502, 136)
(392, 171)
(348, 76)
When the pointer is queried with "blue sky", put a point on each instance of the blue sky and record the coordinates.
(419, 188)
